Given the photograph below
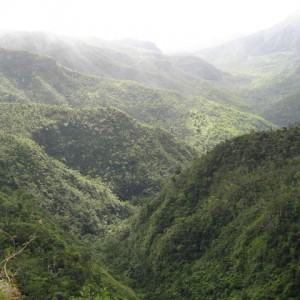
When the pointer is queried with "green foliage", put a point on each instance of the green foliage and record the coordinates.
(267, 64)
(2, 296)
(133, 158)
(279, 99)
(224, 228)
(212, 123)
(80, 206)
(55, 265)
(69, 214)
(30, 78)
(227, 227)
(127, 60)
(88, 295)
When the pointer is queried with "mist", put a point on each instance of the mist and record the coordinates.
(172, 25)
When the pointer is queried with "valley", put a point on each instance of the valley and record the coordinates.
(127, 173)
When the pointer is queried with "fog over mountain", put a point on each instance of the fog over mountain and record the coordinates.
(175, 26)
(279, 41)
(129, 173)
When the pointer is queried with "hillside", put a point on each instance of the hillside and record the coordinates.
(285, 111)
(26, 77)
(128, 174)
(212, 123)
(49, 214)
(275, 97)
(267, 52)
(81, 205)
(132, 60)
(268, 63)
(134, 159)
(136, 61)
(227, 227)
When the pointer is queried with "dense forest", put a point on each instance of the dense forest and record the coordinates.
(227, 227)
(126, 173)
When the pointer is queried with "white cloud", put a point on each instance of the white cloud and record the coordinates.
(176, 24)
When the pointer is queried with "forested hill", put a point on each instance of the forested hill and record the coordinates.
(269, 61)
(48, 216)
(227, 227)
(132, 60)
(266, 52)
(163, 186)
(26, 77)
(64, 193)
(134, 159)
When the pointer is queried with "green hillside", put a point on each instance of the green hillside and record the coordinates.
(227, 227)
(51, 266)
(82, 206)
(30, 78)
(267, 52)
(136, 61)
(212, 123)
(129, 174)
(267, 64)
(285, 111)
(134, 159)
(277, 98)
(132, 60)
(50, 218)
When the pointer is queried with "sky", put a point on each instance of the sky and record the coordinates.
(174, 25)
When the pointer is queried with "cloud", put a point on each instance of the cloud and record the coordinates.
(177, 24)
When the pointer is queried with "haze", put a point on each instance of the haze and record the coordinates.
(174, 25)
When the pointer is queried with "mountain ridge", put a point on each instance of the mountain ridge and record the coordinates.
(225, 227)
(134, 60)
(26, 77)
(271, 50)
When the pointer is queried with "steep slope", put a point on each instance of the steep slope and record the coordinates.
(227, 227)
(285, 111)
(270, 59)
(51, 266)
(276, 98)
(266, 52)
(133, 158)
(212, 123)
(79, 205)
(50, 218)
(27, 77)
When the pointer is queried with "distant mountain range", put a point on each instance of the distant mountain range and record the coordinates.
(265, 52)
(133, 60)
(269, 62)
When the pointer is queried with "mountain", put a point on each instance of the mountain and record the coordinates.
(64, 193)
(134, 159)
(285, 111)
(268, 62)
(266, 52)
(132, 60)
(226, 227)
(51, 265)
(276, 97)
(26, 77)
(212, 123)
(49, 214)
(75, 148)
